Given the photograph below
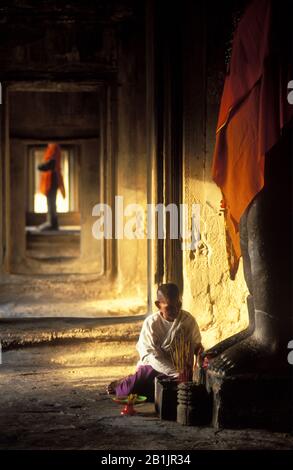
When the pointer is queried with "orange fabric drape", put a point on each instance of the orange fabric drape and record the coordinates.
(254, 109)
(53, 151)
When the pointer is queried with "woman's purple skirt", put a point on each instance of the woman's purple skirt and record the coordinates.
(141, 382)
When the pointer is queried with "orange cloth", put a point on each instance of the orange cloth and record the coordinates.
(53, 151)
(254, 109)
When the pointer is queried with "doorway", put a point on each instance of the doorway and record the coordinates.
(33, 123)
(65, 242)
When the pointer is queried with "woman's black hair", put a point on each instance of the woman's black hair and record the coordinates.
(169, 290)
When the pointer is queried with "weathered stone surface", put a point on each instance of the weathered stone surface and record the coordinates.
(16, 334)
(65, 296)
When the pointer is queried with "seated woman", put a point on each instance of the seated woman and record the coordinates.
(155, 342)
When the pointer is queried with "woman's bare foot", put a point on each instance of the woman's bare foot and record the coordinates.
(110, 388)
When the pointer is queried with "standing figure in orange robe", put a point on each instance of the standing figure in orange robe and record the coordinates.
(51, 180)
(253, 167)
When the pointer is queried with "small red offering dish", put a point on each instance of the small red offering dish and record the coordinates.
(129, 402)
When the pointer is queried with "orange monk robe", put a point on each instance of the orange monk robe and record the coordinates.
(53, 151)
(254, 109)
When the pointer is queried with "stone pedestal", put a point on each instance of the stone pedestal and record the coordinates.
(166, 398)
(187, 402)
(252, 401)
(194, 404)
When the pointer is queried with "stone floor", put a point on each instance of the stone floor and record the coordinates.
(70, 295)
(47, 244)
(52, 397)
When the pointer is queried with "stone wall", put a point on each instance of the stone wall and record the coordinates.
(131, 158)
(217, 302)
(45, 115)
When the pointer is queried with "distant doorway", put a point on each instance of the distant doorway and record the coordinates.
(64, 243)
(33, 122)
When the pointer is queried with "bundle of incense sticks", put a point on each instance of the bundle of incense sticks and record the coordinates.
(182, 358)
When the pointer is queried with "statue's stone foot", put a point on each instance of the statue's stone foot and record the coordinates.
(249, 356)
(226, 344)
